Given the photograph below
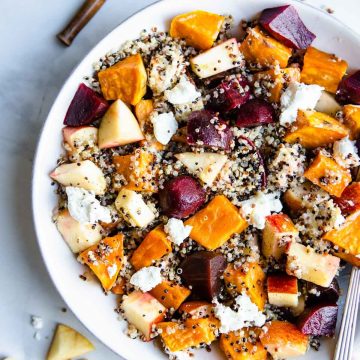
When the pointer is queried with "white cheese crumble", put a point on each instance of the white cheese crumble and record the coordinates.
(298, 96)
(247, 314)
(346, 153)
(85, 208)
(165, 126)
(258, 207)
(146, 278)
(183, 93)
(111, 270)
(177, 231)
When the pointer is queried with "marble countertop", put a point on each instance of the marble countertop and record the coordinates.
(33, 66)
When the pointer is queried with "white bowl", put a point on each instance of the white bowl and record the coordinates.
(86, 299)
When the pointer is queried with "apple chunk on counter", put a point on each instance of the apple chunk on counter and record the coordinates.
(84, 174)
(282, 290)
(304, 263)
(143, 311)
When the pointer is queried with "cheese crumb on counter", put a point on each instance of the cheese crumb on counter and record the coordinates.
(183, 93)
(165, 126)
(346, 153)
(146, 278)
(177, 231)
(84, 207)
(298, 96)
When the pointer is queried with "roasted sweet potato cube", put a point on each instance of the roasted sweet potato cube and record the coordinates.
(238, 345)
(273, 82)
(118, 288)
(199, 28)
(313, 129)
(126, 80)
(197, 309)
(192, 333)
(261, 50)
(170, 294)
(216, 223)
(351, 259)
(250, 278)
(328, 174)
(283, 340)
(105, 259)
(137, 169)
(347, 236)
(323, 69)
(349, 201)
(352, 120)
(154, 246)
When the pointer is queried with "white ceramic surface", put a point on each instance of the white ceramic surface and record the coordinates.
(85, 298)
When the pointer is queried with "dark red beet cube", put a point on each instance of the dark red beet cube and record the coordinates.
(202, 271)
(181, 197)
(85, 107)
(285, 25)
(317, 294)
(229, 95)
(206, 129)
(349, 89)
(319, 320)
(254, 113)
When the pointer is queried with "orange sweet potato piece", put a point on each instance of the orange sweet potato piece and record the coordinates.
(237, 346)
(170, 294)
(154, 246)
(105, 259)
(118, 288)
(192, 333)
(352, 120)
(136, 169)
(199, 28)
(347, 236)
(283, 340)
(328, 174)
(323, 69)
(216, 223)
(250, 278)
(313, 129)
(351, 259)
(196, 309)
(126, 80)
(260, 49)
(274, 81)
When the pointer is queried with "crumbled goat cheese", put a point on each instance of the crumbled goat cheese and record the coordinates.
(259, 206)
(183, 93)
(84, 207)
(36, 322)
(146, 278)
(298, 96)
(111, 270)
(165, 126)
(346, 153)
(247, 314)
(177, 231)
(180, 355)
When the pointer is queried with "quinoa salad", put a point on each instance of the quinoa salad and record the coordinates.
(211, 184)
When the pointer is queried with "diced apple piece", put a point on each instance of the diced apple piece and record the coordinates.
(78, 139)
(347, 236)
(283, 340)
(84, 174)
(328, 174)
(220, 58)
(327, 104)
(299, 308)
(68, 344)
(206, 166)
(352, 120)
(78, 236)
(133, 208)
(282, 290)
(119, 127)
(143, 311)
(304, 263)
(278, 232)
(313, 129)
(126, 80)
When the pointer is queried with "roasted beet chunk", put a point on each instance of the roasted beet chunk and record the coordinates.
(202, 271)
(85, 107)
(229, 95)
(206, 129)
(349, 89)
(254, 113)
(181, 197)
(319, 320)
(318, 293)
(285, 25)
